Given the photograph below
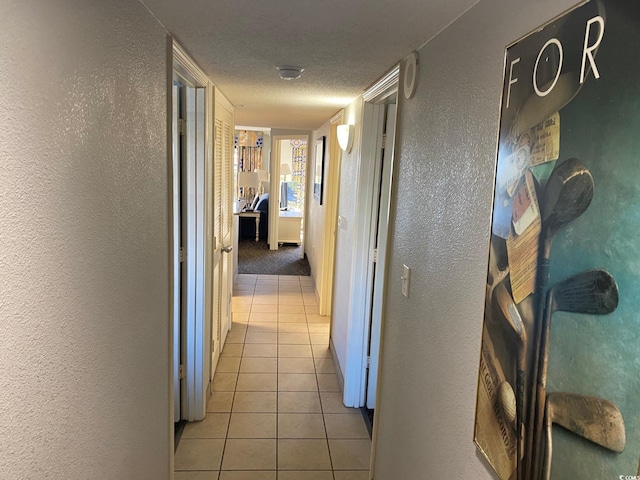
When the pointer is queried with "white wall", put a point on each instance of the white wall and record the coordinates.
(445, 170)
(345, 239)
(314, 231)
(84, 347)
(283, 132)
(286, 154)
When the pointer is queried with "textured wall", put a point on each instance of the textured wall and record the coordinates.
(346, 236)
(442, 205)
(84, 349)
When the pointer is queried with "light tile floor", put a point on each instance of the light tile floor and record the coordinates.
(276, 411)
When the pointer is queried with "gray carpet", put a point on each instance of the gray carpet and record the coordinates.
(255, 257)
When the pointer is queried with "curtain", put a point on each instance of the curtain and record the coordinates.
(249, 149)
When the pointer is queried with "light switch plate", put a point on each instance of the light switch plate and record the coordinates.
(406, 276)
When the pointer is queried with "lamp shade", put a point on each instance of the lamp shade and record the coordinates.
(248, 179)
(345, 137)
(263, 175)
(285, 169)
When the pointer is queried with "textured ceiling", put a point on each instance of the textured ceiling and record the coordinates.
(343, 45)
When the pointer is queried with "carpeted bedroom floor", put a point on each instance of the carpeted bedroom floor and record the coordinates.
(255, 257)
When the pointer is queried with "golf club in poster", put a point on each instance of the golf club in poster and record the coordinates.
(559, 379)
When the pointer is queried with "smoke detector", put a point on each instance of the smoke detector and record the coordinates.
(287, 72)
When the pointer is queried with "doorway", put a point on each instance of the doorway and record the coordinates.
(201, 143)
(188, 239)
(368, 280)
(380, 234)
(288, 187)
(177, 235)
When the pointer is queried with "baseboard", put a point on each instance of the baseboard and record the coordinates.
(337, 366)
(367, 415)
(178, 428)
(315, 285)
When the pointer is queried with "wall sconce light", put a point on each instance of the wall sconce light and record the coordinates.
(345, 137)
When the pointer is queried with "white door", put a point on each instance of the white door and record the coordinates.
(176, 242)
(193, 241)
(193, 176)
(188, 244)
(187, 237)
(223, 154)
(216, 314)
(227, 221)
(381, 229)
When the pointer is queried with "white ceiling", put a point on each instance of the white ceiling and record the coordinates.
(343, 45)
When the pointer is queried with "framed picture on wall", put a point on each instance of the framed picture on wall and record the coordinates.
(559, 377)
(318, 169)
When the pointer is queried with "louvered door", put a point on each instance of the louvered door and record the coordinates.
(223, 157)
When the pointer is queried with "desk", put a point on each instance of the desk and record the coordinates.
(289, 227)
(255, 214)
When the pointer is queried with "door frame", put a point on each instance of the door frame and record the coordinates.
(195, 341)
(174, 243)
(274, 188)
(380, 242)
(373, 115)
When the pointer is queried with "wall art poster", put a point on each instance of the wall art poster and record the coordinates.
(559, 378)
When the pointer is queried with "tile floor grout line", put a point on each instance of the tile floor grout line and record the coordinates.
(235, 389)
(324, 423)
(313, 356)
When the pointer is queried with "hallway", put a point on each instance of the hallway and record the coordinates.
(276, 411)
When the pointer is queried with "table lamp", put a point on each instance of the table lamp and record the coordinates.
(249, 182)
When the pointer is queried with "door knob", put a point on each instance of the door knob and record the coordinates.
(227, 248)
